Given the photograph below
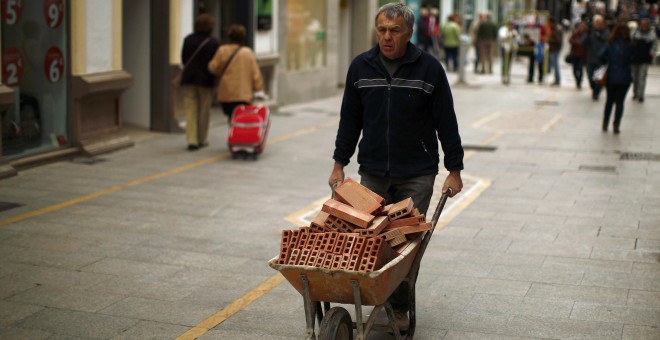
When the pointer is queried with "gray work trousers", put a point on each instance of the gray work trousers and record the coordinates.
(395, 189)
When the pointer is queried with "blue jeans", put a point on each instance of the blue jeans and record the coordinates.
(395, 189)
(553, 61)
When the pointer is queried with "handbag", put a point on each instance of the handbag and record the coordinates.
(569, 58)
(176, 82)
(600, 75)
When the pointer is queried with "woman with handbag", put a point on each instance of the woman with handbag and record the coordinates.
(237, 70)
(197, 82)
(617, 56)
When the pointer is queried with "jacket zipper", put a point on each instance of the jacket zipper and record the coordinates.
(387, 136)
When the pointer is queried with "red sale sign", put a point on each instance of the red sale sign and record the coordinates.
(11, 11)
(12, 66)
(54, 64)
(53, 13)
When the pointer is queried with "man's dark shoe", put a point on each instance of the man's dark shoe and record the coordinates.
(193, 147)
(202, 145)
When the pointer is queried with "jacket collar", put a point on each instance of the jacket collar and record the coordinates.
(412, 53)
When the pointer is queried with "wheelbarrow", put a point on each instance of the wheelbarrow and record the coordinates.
(324, 286)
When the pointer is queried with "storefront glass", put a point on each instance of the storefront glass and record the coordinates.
(34, 55)
(306, 34)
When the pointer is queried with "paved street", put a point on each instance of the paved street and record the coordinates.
(555, 236)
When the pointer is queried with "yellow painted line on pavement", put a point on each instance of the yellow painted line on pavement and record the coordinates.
(153, 177)
(236, 306)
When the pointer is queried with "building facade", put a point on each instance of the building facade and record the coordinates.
(75, 72)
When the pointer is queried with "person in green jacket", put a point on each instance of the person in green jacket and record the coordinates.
(452, 34)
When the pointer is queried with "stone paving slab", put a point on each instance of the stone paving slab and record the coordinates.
(564, 243)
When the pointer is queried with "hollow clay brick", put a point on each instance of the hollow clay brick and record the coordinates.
(304, 255)
(319, 220)
(295, 239)
(415, 228)
(397, 240)
(359, 197)
(392, 234)
(339, 225)
(400, 209)
(377, 225)
(329, 242)
(328, 261)
(340, 244)
(406, 221)
(347, 213)
(293, 258)
(312, 259)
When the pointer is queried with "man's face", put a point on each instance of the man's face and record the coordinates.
(644, 25)
(393, 36)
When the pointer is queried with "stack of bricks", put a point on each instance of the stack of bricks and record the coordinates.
(355, 231)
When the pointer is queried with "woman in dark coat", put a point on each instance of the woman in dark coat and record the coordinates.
(197, 83)
(617, 55)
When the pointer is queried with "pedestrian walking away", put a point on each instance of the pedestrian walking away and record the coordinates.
(400, 103)
(451, 33)
(595, 41)
(486, 37)
(239, 76)
(617, 55)
(197, 82)
(578, 52)
(555, 42)
(644, 44)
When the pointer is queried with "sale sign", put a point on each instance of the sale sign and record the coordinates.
(54, 64)
(12, 66)
(11, 11)
(53, 13)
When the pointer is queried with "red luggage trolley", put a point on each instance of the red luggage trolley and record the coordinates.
(248, 130)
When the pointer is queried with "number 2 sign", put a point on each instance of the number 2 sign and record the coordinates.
(11, 11)
(12, 66)
(54, 64)
(53, 12)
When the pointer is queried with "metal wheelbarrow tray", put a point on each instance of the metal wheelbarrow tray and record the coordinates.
(318, 285)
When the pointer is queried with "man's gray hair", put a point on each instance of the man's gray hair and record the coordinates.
(396, 9)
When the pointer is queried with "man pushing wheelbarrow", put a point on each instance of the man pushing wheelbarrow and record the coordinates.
(398, 98)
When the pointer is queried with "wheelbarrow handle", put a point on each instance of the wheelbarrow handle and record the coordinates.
(440, 206)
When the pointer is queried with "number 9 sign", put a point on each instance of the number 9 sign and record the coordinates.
(53, 12)
(54, 64)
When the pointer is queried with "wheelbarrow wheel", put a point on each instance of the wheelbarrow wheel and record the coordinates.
(336, 325)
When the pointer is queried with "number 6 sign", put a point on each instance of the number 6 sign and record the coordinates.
(54, 64)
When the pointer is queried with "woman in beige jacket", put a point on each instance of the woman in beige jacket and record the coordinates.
(242, 76)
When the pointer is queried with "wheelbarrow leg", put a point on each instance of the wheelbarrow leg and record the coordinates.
(359, 326)
(310, 309)
(392, 320)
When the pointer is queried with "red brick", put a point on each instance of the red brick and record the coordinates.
(318, 222)
(304, 255)
(293, 258)
(415, 228)
(347, 213)
(400, 209)
(313, 258)
(377, 225)
(392, 234)
(406, 221)
(339, 225)
(397, 240)
(340, 244)
(295, 239)
(358, 196)
(329, 242)
(328, 261)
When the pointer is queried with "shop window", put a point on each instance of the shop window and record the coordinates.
(306, 34)
(34, 57)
